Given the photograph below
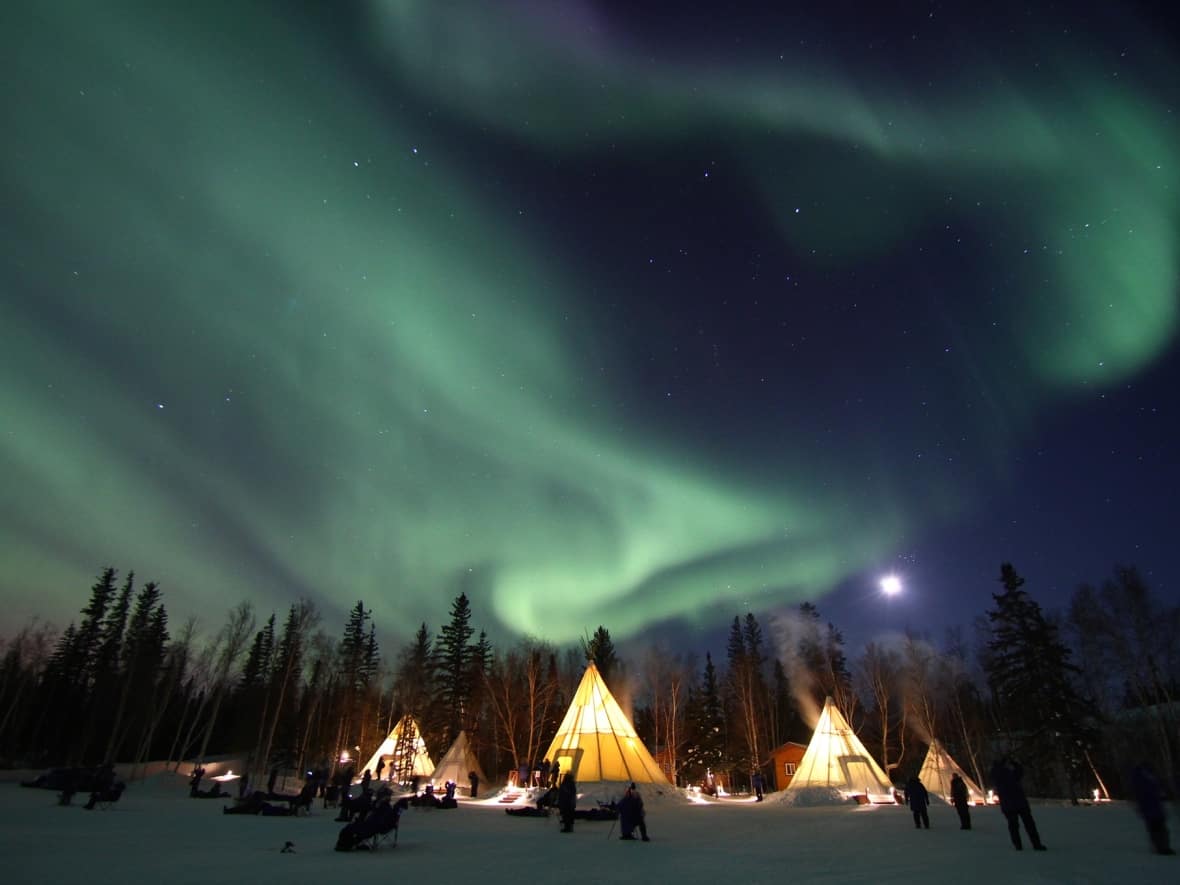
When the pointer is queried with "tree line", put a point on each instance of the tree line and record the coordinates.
(1080, 696)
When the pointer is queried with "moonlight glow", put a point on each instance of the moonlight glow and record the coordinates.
(891, 585)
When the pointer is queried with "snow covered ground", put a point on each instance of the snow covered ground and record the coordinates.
(157, 834)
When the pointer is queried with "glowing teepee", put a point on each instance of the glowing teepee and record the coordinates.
(404, 752)
(836, 759)
(597, 742)
(457, 764)
(937, 771)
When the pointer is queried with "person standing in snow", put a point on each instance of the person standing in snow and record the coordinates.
(756, 783)
(1007, 775)
(1149, 799)
(960, 800)
(567, 801)
(919, 801)
(473, 778)
(631, 815)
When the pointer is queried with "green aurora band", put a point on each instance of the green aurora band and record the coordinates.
(263, 348)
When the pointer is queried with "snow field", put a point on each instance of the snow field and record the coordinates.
(157, 834)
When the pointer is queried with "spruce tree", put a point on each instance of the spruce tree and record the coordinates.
(351, 672)
(1032, 681)
(415, 674)
(600, 650)
(257, 670)
(143, 652)
(704, 751)
(285, 683)
(453, 666)
(821, 651)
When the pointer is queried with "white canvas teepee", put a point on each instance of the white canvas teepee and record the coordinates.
(598, 743)
(937, 771)
(419, 766)
(457, 764)
(836, 759)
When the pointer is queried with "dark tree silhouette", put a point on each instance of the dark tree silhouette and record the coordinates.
(601, 650)
(1032, 679)
(453, 659)
(705, 738)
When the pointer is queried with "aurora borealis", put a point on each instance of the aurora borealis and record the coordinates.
(603, 318)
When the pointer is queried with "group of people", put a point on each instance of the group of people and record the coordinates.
(1007, 776)
(546, 775)
(918, 799)
(103, 786)
(369, 813)
(630, 809)
(214, 792)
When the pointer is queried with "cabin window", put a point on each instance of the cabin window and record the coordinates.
(789, 769)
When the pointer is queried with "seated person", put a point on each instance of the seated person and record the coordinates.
(194, 783)
(382, 819)
(355, 806)
(69, 787)
(427, 799)
(305, 797)
(252, 804)
(631, 814)
(103, 781)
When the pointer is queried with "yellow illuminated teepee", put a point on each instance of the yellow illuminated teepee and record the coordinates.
(597, 742)
(836, 759)
(457, 764)
(405, 754)
(937, 771)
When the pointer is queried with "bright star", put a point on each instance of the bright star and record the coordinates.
(891, 585)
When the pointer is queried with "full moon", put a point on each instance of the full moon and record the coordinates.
(891, 585)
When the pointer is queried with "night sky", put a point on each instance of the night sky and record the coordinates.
(641, 319)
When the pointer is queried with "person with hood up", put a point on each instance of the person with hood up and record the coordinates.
(1149, 799)
(567, 801)
(1007, 775)
(959, 799)
(918, 800)
(631, 815)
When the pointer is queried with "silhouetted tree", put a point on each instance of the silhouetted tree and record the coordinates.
(521, 693)
(1032, 678)
(355, 667)
(601, 650)
(746, 684)
(1128, 642)
(453, 667)
(143, 652)
(301, 620)
(704, 748)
